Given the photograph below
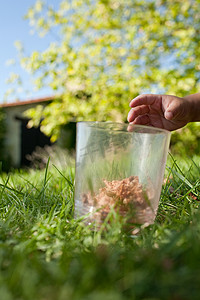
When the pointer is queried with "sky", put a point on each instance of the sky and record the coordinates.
(13, 28)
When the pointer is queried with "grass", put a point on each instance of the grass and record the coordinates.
(46, 254)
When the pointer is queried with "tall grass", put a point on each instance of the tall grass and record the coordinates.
(46, 254)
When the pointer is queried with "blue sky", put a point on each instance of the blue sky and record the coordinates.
(13, 28)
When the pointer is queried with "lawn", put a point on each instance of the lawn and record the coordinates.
(46, 254)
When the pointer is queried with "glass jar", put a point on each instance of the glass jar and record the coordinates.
(119, 168)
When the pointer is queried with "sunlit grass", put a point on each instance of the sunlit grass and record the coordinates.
(46, 254)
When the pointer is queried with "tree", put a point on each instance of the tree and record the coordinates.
(108, 51)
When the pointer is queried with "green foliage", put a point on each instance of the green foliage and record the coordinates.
(46, 254)
(107, 52)
(186, 141)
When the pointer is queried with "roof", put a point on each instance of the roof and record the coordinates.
(26, 102)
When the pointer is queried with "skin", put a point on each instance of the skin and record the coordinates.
(164, 111)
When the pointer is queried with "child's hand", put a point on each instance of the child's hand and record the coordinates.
(163, 111)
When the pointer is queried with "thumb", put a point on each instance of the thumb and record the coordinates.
(169, 115)
(174, 110)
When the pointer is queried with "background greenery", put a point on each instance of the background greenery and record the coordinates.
(108, 51)
(186, 141)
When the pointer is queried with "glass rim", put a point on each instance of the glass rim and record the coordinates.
(148, 128)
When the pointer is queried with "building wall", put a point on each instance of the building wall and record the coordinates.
(13, 134)
(13, 143)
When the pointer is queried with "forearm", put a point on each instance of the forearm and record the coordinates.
(194, 101)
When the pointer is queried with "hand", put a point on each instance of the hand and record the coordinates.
(162, 111)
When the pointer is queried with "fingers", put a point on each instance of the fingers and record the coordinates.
(141, 120)
(137, 111)
(145, 99)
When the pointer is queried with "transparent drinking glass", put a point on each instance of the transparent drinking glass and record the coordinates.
(119, 167)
